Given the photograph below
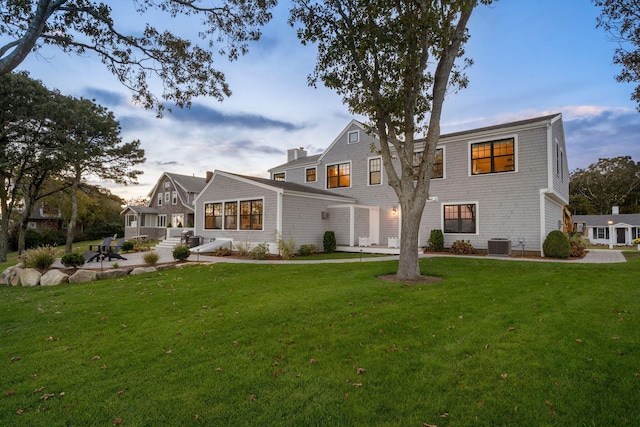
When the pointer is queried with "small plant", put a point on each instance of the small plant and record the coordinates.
(151, 258)
(128, 246)
(41, 257)
(286, 248)
(260, 251)
(72, 260)
(242, 248)
(222, 252)
(578, 244)
(556, 245)
(181, 253)
(436, 241)
(115, 265)
(309, 249)
(462, 247)
(329, 242)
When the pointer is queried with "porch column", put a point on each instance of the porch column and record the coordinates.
(352, 226)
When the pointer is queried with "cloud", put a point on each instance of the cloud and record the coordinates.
(105, 97)
(203, 115)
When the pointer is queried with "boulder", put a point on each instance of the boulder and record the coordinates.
(164, 267)
(9, 273)
(53, 277)
(15, 276)
(111, 274)
(30, 277)
(83, 276)
(142, 270)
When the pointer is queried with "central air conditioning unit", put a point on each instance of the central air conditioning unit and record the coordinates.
(499, 247)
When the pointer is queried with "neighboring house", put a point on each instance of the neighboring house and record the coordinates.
(507, 181)
(170, 205)
(44, 217)
(615, 229)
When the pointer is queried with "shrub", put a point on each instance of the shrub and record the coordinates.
(286, 248)
(260, 251)
(329, 242)
(462, 247)
(128, 246)
(436, 241)
(578, 244)
(52, 238)
(556, 245)
(242, 248)
(222, 252)
(181, 253)
(307, 250)
(40, 258)
(151, 258)
(74, 259)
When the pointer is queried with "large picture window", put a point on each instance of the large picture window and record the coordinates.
(251, 215)
(213, 216)
(460, 218)
(493, 157)
(231, 216)
(339, 176)
(375, 171)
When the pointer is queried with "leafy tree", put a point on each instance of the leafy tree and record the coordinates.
(27, 156)
(621, 19)
(184, 68)
(392, 62)
(91, 144)
(606, 183)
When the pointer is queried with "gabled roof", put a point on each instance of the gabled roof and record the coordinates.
(191, 184)
(602, 220)
(298, 162)
(139, 210)
(520, 123)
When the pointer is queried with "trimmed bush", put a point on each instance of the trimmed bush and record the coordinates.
(128, 246)
(72, 260)
(462, 247)
(181, 253)
(436, 241)
(151, 258)
(40, 258)
(307, 250)
(556, 245)
(260, 251)
(329, 242)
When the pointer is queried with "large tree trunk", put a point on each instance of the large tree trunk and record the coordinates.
(4, 236)
(412, 202)
(74, 211)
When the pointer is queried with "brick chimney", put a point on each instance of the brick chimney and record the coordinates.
(209, 176)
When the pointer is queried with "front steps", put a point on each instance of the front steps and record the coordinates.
(169, 243)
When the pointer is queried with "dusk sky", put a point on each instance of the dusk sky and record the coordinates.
(531, 58)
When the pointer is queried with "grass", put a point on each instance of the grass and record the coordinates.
(495, 343)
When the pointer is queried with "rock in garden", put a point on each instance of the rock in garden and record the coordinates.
(53, 277)
(142, 270)
(83, 276)
(111, 274)
(30, 277)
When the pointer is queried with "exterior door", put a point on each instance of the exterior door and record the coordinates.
(621, 236)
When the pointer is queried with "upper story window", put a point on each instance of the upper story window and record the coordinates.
(310, 175)
(278, 176)
(375, 171)
(167, 197)
(174, 198)
(159, 199)
(251, 215)
(213, 216)
(460, 218)
(354, 137)
(438, 164)
(167, 184)
(493, 156)
(339, 176)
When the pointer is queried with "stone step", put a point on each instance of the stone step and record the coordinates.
(169, 243)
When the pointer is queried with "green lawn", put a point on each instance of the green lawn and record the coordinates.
(495, 343)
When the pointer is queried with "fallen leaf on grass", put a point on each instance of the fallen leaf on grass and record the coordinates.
(357, 384)
(197, 417)
(94, 358)
(38, 390)
(579, 341)
(121, 392)
(345, 396)
(313, 361)
(511, 328)
(504, 376)
(361, 371)
(252, 398)
(550, 405)
(429, 425)
(20, 411)
(15, 359)
(445, 415)
(118, 421)
(10, 393)
(46, 396)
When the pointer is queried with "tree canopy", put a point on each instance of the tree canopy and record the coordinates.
(621, 19)
(606, 183)
(134, 56)
(393, 62)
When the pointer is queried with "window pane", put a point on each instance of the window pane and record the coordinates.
(311, 175)
(460, 218)
(438, 165)
(230, 216)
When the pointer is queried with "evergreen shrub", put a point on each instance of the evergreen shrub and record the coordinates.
(329, 242)
(181, 253)
(436, 241)
(556, 245)
(72, 260)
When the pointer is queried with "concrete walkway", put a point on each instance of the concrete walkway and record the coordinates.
(594, 256)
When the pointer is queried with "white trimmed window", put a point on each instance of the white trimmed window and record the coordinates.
(167, 197)
(460, 218)
(339, 176)
(174, 198)
(354, 137)
(161, 220)
(160, 199)
(310, 175)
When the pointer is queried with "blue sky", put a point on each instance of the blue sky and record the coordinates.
(531, 58)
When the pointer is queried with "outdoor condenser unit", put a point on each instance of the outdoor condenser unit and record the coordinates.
(500, 247)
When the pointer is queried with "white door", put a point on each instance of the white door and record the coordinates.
(374, 226)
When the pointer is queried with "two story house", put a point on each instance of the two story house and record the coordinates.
(170, 205)
(508, 181)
